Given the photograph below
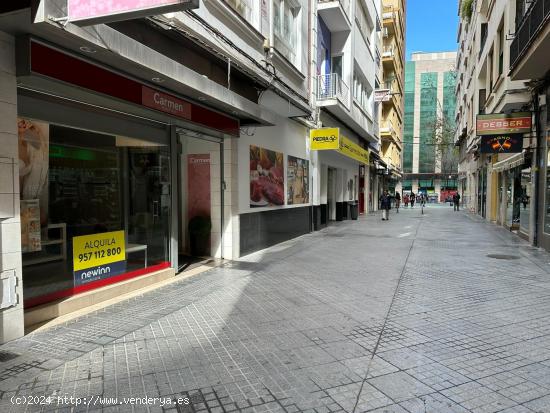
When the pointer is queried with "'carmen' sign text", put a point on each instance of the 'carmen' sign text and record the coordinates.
(165, 103)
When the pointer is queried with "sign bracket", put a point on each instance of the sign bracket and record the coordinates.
(62, 21)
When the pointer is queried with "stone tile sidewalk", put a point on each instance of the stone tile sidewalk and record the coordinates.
(417, 314)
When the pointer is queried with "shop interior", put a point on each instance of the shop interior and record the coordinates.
(77, 182)
(200, 200)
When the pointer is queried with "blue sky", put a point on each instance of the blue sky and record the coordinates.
(431, 26)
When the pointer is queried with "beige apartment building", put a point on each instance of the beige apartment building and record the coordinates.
(392, 89)
(495, 182)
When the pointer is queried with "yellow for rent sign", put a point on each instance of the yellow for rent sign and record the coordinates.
(98, 256)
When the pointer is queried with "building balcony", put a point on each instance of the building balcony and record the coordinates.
(394, 96)
(335, 14)
(390, 57)
(529, 49)
(332, 87)
(388, 133)
(333, 95)
(389, 19)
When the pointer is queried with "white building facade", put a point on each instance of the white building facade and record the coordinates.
(346, 64)
(492, 185)
(169, 136)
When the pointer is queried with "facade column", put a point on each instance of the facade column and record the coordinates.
(11, 305)
(437, 188)
(367, 190)
(501, 209)
(231, 232)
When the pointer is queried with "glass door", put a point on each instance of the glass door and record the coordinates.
(201, 200)
(148, 206)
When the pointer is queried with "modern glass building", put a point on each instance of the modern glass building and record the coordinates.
(429, 164)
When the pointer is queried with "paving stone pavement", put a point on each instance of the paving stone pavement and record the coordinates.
(410, 315)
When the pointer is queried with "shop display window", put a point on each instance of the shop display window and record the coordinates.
(95, 209)
(525, 200)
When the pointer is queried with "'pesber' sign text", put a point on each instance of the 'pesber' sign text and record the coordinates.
(503, 123)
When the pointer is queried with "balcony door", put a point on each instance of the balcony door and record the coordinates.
(337, 63)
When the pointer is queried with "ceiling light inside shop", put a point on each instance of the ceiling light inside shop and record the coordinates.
(87, 49)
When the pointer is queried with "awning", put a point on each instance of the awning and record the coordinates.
(513, 161)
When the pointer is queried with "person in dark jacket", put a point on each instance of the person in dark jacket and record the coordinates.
(397, 201)
(385, 205)
(456, 201)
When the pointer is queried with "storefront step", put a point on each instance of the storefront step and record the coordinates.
(61, 311)
(36, 316)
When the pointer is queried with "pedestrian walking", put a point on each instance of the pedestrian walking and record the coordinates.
(524, 201)
(412, 199)
(423, 199)
(385, 204)
(406, 200)
(397, 201)
(456, 201)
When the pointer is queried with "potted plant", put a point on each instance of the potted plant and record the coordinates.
(199, 235)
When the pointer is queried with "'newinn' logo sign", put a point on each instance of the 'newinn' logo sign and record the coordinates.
(99, 273)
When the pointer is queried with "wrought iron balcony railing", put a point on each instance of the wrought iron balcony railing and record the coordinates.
(332, 86)
(533, 21)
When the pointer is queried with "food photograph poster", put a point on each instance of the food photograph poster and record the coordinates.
(33, 146)
(297, 181)
(267, 182)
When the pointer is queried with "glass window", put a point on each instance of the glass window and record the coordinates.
(500, 50)
(365, 25)
(285, 27)
(525, 207)
(428, 117)
(408, 129)
(243, 7)
(95, 208)
(547, 203)
(337, 65)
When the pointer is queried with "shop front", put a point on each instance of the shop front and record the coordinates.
(275, 197)
(515, 194)
(501, 145)
(342, 163)
(122, 182)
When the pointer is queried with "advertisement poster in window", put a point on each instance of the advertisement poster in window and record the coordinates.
(33, 145)
(267, 182)
(198, 185)
(30, 225)
(298, 181)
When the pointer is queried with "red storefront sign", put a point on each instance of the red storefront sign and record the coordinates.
(502, 123)
(57, 65)
(165, 103)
